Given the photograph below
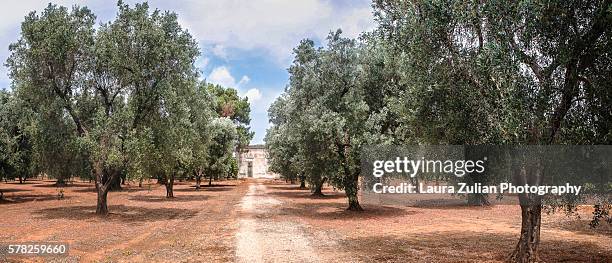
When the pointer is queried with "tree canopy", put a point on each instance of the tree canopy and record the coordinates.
(122, 99)
(448, 72)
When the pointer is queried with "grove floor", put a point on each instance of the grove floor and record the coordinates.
(271, 221)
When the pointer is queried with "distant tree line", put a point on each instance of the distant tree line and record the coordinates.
(115, 102)
(447, 72)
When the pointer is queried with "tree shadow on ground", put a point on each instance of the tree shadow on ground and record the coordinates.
(214, 188)
(294, 191)
(335, 211)
(287, 187)
(443, 204)
(124, 189)
(467, 246)
(307, 194)
(217, 185)
(429, 201)
(11, 190)
(16, 182)
(133, 189)
(435, 201)
(121, 213)
(581, 225)
(85, 190)
(67, 185)
(17, 199)
(161, 199)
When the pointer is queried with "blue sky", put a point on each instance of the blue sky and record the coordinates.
(245, 44)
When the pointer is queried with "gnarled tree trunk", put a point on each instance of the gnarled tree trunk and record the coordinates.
(102, 207)
(528, 171)
(302, 181)
(103, 181)
(318, 190)
(170, 186)
(526, 249)
(350, 189)
(351, 181)
(198, 177)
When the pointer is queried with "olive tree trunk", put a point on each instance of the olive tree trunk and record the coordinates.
(302, 181)
(102, 207)
(170, 186)
(198, 177)
(351, 180)
(528, 171)
(104, 179)
(526, 249)
(350, 189)
(198, 182)
(318, 187)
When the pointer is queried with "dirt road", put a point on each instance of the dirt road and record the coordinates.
(272, 221)
(261, 239)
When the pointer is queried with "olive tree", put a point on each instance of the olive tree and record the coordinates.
(202, 107)
(220, 151)
(327, 108)
(526, 72)
(16, 143)
(312, 152)
(110, 82)
(282, 145)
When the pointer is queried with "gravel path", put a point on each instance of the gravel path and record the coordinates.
(261, 239)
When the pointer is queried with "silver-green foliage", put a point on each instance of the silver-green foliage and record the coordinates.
(119, 100)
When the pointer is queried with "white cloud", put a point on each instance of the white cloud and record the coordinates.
(254, 95)
(244, 80)
(219, 51)
(13, 13)
(272, 26)
(222, 76)
(202, 63)
(275, 26)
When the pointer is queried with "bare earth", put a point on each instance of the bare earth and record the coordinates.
(143, 226)
(262, 239)
(271, 221)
